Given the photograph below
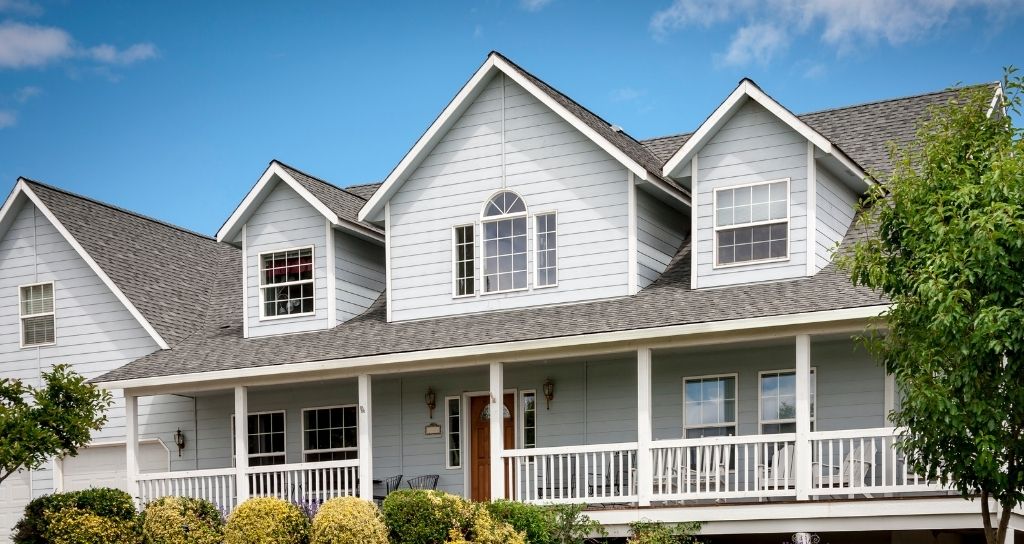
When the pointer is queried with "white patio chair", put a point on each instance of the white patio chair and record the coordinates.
(706, 470)
(778, 472)
(853, 471)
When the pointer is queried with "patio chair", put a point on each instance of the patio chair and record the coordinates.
(705, 470)
(389, 485)
(428, 481)
(852, 472)
(613, 478)
(556, 476)
(778, 472)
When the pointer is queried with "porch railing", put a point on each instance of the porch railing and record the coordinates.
(215, 485)
(862, 461)
(603, 473)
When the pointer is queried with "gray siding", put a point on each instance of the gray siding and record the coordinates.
(660, 232)
(550, 164)
(835, 209)
(359, 274)
(285, 221)
(753, 146)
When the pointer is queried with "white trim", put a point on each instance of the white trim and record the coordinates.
(644, 426)
(387, 259)
(364, 432)
(263, 288)
(231, 421)
(531, 227)
(812, 211)
(484, 221)
(448, 431)
(455, 262)
(131, 450)
(22, 186)
(492, 65)
(632, 245)
(888, 399)
(736, 401)
(240, 432)
(814, 413)
(496, 426)
(245, 285)
(332, 283)
(747, 89)
(716, 228)
(506, 350)
(303, 429)
(521, 430)
(996, 101)
(22, 317)
(694, 174)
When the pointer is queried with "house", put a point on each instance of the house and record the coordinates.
(660, 320)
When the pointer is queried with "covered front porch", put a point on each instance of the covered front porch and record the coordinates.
(780, 418)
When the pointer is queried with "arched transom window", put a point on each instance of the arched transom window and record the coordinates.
(504, 241)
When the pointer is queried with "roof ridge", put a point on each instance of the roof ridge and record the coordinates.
(363, 185)
(117, 208)
(325, 182)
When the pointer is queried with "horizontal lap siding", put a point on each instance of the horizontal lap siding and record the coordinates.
(359, 274)
(660, 232)
(751, 147)
(285, 221)
(836, 203)
(551, 165)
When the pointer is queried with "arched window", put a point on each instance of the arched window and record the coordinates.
(504, 241)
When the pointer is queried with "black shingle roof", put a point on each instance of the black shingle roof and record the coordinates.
(344, 203)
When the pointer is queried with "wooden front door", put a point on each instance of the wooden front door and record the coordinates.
(480, 444)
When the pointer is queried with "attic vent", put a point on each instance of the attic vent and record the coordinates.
(616, 128)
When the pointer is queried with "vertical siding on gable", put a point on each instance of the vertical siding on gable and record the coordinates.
(285, 221)
(359, 274)
(751, 147)
(551, 165)
(660, 232)
(836, 203)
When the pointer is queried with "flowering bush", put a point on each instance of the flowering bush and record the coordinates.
(78, 526)
(266, 520)
(182, 520)
(348, 520)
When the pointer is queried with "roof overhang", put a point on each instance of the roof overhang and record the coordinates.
(374, 208)
(23, 193)
(748, 90)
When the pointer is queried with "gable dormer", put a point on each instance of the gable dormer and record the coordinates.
(771, 195)
(307, 263)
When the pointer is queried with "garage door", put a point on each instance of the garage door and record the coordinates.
(106, 466)
(15, 493)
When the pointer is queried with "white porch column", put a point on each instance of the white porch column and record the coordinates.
(131, 416)
(802, 460)
(497, 427)
(889, 400)
(644, 433)
(241, 443)
(365, 442)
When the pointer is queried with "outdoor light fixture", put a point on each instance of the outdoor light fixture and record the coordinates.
(431, 400)
(549, 391)
(179, 440)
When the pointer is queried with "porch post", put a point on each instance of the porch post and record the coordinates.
(365, 441)
(644, 434)
(497, 427)
(802, 460)
(241, 443)
(131, 414)
(889, 399)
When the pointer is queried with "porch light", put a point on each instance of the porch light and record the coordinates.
(431, 400)
(549, 391)
(179, 440)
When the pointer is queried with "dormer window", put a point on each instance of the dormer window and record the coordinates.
(752, 223)
(37, 315)
(504, 240)
(286, 283)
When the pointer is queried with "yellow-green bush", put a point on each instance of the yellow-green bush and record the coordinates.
(484, 529)
(77, 526)
(181, 520)
(266, 520)
(348, 520)
(432, 517)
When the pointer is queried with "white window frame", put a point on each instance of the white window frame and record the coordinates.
(716, 229)
(736, 414)
(814, 402)
(22, 316)
(328, 450)
(455, 261)
(448, 431)
(536, 249)
(262, 288)
(231, 421)
(525, 214)
(522, 417)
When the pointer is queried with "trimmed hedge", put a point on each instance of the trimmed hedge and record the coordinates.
(266, 520)
(348, 520)
(182, 520)
(103, 502)
(415, 516)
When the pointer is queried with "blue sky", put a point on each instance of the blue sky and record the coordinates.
(174, 109)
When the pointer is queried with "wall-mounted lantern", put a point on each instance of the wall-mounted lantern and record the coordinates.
(549, 391)
(431, 400)
(179, 440)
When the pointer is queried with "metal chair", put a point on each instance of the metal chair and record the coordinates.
(428, 481)
(389, 484)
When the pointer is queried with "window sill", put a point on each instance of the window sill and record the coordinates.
(38, 345)
(751, 263)
(486, 293)
(289, 316)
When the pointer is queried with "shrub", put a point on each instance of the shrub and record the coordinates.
(536, 522)
(572, 526)
(484, 529)
(78, 526)
(266, 520)
(348, 520)
(649, 532)
(102, 501)
(181, 520)
(416, 516)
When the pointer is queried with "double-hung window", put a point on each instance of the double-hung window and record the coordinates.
(266, 443)
(330, 434)
(778, 401)
(504, 241)
(286, 282)
(546, 252)
(709, 406)
(465, 261)
(752, 223)
(37, 315)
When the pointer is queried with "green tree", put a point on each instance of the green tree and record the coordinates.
(945, 244)
(37, 423)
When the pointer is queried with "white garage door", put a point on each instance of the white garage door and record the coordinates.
(106, 466)
(15, 493)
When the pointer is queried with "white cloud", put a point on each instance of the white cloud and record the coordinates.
(534, 5)
(108, 54)
(25, 94)
(24, 46)
(7, 119)
(23, 8)
(843, 25)
(627, 94)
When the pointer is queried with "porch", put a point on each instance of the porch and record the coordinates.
(778, 419)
